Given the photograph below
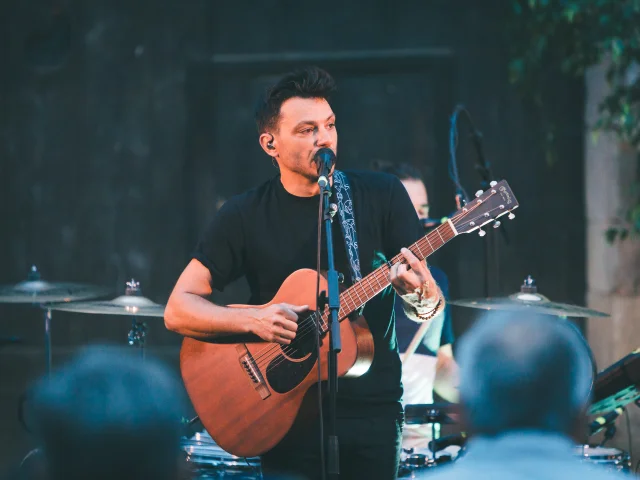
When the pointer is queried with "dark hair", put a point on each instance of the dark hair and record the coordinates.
(403, 171)
(308, 82)
(107, 415)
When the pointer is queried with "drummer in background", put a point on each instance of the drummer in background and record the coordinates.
(525, 383)
(432, 366)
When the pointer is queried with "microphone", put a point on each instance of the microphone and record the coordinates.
(601, 422)
(324, 158)
(438, 444)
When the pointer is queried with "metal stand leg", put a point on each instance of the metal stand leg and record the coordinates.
(433, 437)
(137, 335)
(47, 340)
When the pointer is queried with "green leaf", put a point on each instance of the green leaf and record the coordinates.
(610, 235)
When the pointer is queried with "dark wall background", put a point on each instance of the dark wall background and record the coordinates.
(123, 124)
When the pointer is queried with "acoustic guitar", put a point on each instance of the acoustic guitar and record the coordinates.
(248, 393)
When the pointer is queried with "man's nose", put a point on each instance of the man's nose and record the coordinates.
(324, 138)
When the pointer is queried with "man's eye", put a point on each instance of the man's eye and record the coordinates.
(332, 125)
(307, 130)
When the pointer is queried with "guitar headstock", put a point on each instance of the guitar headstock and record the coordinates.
(486, 208)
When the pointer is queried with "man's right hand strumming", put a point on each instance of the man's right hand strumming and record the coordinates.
(276, 323)
(191, 314)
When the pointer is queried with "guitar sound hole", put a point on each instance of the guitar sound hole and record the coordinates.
(305, 341)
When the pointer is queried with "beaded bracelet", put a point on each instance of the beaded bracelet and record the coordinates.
(432, 313)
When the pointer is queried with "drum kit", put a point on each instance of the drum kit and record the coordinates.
(74, 297)
(207, 460)
(615, 387)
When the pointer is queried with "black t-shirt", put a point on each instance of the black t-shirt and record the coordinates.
(266, 234)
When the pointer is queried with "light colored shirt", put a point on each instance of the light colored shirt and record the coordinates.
(418, 375)
(524, 455)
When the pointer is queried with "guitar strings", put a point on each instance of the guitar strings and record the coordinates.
(276, 348)
(309, 323)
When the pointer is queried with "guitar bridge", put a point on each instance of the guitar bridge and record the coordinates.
(249, 366)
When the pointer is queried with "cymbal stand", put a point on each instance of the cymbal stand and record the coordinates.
(137, 334)
(47, 339)
(34, 275)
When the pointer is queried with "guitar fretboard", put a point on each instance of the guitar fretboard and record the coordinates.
(361, 292)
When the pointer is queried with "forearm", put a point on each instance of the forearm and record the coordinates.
(447, 375)
(192, 315)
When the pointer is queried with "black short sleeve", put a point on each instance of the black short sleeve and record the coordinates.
(403, 226)
(221, 246)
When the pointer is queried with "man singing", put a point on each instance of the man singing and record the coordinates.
(269, 232)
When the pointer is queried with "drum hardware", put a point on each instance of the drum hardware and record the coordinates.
(210, 461)
(132, 304)
(36, 291)
(529, 299)
(435, 414)
(617, 386)
(610, 458)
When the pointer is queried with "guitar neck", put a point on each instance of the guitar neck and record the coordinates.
(361, 292)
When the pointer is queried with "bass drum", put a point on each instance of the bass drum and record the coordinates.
(204, 459)
(611, 458)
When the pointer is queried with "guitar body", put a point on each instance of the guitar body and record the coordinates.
(248, 393)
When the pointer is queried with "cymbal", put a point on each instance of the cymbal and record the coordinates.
(530, 300)
(131, 303)
(420, 414)
(123, 305)
(37, 291)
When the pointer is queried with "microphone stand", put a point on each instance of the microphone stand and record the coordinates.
(335, 341)
(486, 178)
(482, 167)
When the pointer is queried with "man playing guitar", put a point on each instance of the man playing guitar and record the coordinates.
(269, 232)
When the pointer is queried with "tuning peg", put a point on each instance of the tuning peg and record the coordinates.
(493, 183)
(496, 224)
(482, 233)
(478, 193)
(511, 216)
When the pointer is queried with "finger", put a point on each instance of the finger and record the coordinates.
(289, 314)
(281, 340)
(287, 324)
(410, 280)
(281, 332)
(402, 270)
(412, 260)
(295, 308)
(392, 272)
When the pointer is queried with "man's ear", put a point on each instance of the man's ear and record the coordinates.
(267, 142)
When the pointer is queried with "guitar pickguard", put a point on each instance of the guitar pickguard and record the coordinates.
(294, 361)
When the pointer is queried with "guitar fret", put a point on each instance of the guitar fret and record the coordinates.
(369, 286)
(430, 245)
(353, 302)
(373, 289)
(360, 302)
